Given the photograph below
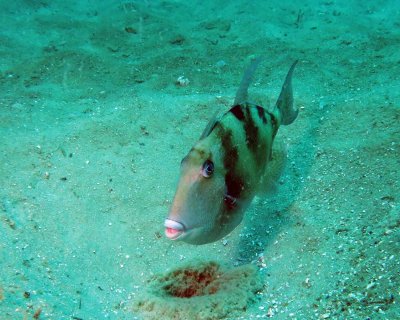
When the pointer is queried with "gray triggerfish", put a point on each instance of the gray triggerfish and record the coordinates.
(223, 171)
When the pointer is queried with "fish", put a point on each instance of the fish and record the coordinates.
(224, 170)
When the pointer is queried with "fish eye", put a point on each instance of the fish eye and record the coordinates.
(208, 169)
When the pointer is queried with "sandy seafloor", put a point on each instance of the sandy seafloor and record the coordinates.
(93, 128)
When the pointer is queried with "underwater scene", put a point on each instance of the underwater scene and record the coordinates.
(199, 160)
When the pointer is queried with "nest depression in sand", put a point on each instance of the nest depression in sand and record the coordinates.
(199, 290)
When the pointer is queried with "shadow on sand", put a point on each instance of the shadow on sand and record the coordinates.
(270, 214)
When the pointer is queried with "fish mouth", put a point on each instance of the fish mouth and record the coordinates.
(173, 229)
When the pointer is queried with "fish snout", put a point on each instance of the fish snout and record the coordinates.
(173, 229)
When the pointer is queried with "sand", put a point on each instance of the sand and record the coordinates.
(93, 125)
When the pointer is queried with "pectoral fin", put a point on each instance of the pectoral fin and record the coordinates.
(275, 168)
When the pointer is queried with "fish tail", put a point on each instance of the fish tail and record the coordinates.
(284, 106)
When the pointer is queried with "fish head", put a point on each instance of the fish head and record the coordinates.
(195, 214)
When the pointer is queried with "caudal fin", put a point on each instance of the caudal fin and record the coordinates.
(285, 101)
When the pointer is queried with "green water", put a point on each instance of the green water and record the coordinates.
(94, 124)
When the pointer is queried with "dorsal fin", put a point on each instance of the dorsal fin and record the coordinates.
(210, 125)
(241, 94)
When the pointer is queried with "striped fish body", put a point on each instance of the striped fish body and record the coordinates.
(221, 174)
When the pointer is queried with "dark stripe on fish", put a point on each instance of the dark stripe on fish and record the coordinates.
(261, 114)
(251, 131)
(274, 122)
(231, 155)
(238, 112)
(233, 182)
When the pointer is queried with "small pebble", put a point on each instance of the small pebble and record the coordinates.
(182, 81)
(220, 64)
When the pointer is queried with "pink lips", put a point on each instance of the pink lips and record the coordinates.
(171, 233)
(173, 229)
